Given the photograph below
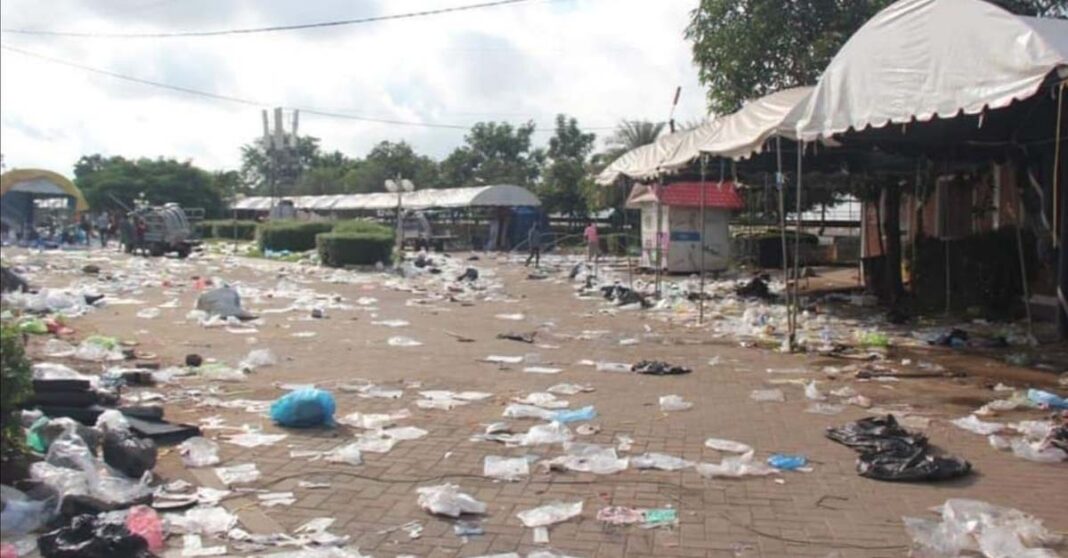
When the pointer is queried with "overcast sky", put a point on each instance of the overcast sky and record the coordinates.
(598, 60)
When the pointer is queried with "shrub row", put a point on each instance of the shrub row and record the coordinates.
(356, 243)
(228, 229)
(295, 236)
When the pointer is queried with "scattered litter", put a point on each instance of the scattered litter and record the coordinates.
(972, 423)
(569, 389)
(392, 323)
(499, 359)
(575, 415)
(658, 368)
(505, 468)
(467, 529)
(550, 514)
(612, 367)
(238, 474)
(1037, 451)
(813, 393)
(660, 461)
(542, 399)
(765, 395)
(972, 525)
(511, 317)
(272, 499)
(671, 403)
(727, 445)
(589, 458)
(447, 500)
(258, 358)
(787, 462)
(587, 429)
(620, 515)
(1047, 399)
(735, 467)
(624, 442)
(542, 370)
(254, 439)
(520, 337)
(824, 409)
(401, 341)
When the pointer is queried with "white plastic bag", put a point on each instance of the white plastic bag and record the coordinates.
(660, 461)
(972, 423)
(446, 499)
(528, 411)
(199, 452)
(813, 393)
(731, 446)
(672, 403)
(550, 514)
(735, 467)
(551, 433)
(238, 474)
(349, 454)
(258, 358)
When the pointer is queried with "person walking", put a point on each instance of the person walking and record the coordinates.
(593, 242)
(140, 228)
(534, 245)
(103, 224)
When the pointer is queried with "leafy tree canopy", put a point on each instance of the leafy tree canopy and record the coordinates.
(109, 183)
(745, 49)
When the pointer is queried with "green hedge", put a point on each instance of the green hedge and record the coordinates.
(295, 236)
(228, 229)
(356, 243)
(16, 387)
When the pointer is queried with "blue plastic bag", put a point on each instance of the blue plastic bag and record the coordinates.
(575, 415)
(304, 408)
(1046, 398)
(787, 462)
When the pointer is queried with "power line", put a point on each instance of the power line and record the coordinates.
(241, 100)
(272, 29)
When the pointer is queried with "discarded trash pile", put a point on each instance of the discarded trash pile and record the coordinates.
(889, 452)
(970, 527)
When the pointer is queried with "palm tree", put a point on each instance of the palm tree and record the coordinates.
(634, 133)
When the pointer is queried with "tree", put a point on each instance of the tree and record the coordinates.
(745, 49)
(113, 183)
(628, 135)
(567, 180)
(389, 160)
(256, 169)
(495, 153)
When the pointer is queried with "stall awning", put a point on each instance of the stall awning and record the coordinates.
(718, 195)
(918, 59)
(501, 195)
(744, 133)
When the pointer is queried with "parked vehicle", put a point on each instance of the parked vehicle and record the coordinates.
(166, 229)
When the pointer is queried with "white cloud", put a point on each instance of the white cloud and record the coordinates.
(597, 60)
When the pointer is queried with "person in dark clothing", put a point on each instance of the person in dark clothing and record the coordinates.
(534, 245)
(140, 227)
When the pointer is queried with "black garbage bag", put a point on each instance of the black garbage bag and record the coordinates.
(624, 295)
(11, 281)
(889, 452)
(878, 435)
(88, 537)
(128, 453)
(224, 302)
(469, 274)
(659, 368)
(757, 287)
(920, 466)
(521, 337)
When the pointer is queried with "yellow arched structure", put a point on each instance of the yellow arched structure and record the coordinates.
(13, 179)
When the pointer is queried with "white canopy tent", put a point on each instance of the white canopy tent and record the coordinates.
(478, 196)
(736, 136)
(918, 59)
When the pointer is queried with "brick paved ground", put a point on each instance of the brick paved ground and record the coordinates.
(829, 510)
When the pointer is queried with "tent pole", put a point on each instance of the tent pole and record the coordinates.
(659, 226)
(780, 184)
(1023, 268)
(797, 246)
(701, 293)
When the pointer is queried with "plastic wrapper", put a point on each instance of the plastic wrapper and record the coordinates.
(223, 302)
(505, 468)
(304, 408)
(727, 445)
(590, 458)
(1047, 399)
(349, 454)
(258, 358)
(447, 500)
(550, 514)
(199, 452)
(238, 474)
(551, 433)
(766, 395)
(401, 341)
(218, 372)
(96, 349)
(672, 403)
(735, 467)
(566, 416)
(519, 411)
(660, 461)
(1036, 452)
(812, 392)
(543, 399)
(972, 423)
(212, 520)
(787, 462)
